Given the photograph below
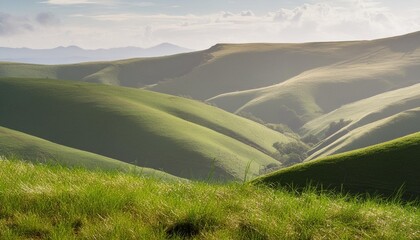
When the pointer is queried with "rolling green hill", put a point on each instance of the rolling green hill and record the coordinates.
(278, 83)
(370, 121)
(382, 168)
(318, 91)
(366, 111)
(129, 73)
(239, 67)
(29, 148)
(380, 131)
(183, 137)
(306, 86)
(203, 74)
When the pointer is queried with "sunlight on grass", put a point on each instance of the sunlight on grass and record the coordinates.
(50, 202)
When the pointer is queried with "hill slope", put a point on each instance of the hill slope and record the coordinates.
(382, 168)
(305, 86)
(370, 121)
(183, 137)
(366, 111)
(380, 131)
(43, 202)
(136, 73)
(239, 67)
(29, 148)
(381, 68)
(278, 83)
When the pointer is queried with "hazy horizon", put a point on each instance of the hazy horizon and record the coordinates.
(99, 48)
(92, 24)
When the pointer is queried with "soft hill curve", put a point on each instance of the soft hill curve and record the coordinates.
(29, 148)
(278, 83)
(370, 121)
(183, 137)
(382, 168)
(137, 72)
(318, 91)
(398, 125)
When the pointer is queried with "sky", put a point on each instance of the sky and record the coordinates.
(199, 24)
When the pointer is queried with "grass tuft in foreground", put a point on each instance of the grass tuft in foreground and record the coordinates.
(47, 202)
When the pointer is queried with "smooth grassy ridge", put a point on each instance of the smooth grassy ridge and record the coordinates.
(46, 202)
(130, 73)
(368, 68)
(368, 110)
(183, 137)
(279, 83)
(373, 120)
(383, 169)
(352, 137)
(33, 149)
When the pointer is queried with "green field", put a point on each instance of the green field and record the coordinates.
(382, 169)
(47, 202)
(179, 136)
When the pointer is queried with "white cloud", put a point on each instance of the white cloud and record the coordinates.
(247, 13)
(157, 18)
(325, 21)
(143, 4)
(227, 14)
(47, 19)
(71, 2)
(351, 19)
(99, 2)
(12, 25)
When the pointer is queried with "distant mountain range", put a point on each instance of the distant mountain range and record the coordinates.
(75, 54)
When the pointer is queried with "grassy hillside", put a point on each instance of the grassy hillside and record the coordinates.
(366, 111)
(370, 121)
(203, 74)
(318, 91)
(380, 131)
(239, 67)
(29, 148)
(382, 168)
(129, 73)
(183, 137)
(278, 83)
(42, 202)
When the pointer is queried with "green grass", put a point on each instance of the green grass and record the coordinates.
(183, 137)
(381, 169)
(368, 110)
(373, 120)
(33, 149)
(353, 137)
(47, 202)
